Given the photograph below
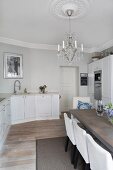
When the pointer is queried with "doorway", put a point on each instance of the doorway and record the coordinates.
(69, 86)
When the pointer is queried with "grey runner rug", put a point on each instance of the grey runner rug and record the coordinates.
(51, 155)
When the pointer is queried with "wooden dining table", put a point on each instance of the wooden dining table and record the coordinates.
(98, 126)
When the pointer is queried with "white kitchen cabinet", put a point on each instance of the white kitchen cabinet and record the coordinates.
(17, 108)
(4, 120)
(26, 108)
(8, 112)
(0, 125)
(106, 78)
(43, 105)
(97, 65)
(92, 67)
(22, 107)
(106, 65)
(55, 106)
(29, 106)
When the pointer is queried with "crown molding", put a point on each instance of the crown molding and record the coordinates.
(52, 47)
(99, 48)
(27, 44)
(104, 46)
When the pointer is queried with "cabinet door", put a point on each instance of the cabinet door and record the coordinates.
(1, 126)
(17, 108)
(43, 105)
(55, 106)
(2, 123)
(30, 106)
(106, 85)
(97, 65)
(8, 114)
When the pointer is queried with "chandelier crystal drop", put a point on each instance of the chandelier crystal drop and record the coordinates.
(69, 47)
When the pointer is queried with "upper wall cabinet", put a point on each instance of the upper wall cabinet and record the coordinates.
(97, 65)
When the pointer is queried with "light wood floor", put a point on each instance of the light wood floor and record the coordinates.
(20, 148)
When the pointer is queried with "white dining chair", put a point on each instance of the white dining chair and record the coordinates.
(70, 136)
(100, 159)
(81, 145)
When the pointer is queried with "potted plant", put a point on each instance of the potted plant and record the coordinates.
(42, 88)
(109, 111)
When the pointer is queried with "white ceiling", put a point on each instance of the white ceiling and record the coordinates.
(31, 21)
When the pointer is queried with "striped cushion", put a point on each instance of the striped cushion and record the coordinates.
(82, 105)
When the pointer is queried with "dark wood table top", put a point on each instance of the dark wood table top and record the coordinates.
(100, 127)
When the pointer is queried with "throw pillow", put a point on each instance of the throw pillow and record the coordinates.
(83, 105)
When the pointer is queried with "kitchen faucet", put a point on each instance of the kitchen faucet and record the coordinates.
(15, 85)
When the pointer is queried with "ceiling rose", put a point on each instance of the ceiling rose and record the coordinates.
(60, 7)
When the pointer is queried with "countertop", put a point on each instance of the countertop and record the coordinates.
(37, 93)
(4, 96)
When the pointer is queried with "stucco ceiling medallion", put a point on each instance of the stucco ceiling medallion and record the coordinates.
(60, 7)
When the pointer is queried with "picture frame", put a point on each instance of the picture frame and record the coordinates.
(13, 66)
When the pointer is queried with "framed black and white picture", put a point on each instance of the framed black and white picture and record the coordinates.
(13, 66)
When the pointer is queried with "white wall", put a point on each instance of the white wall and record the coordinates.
(83, 65)
(44, 69)
(40, 67)
(83, 68)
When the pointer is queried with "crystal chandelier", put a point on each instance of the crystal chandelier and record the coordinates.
(69, 47)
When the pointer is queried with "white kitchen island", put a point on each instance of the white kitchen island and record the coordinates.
(34, 106)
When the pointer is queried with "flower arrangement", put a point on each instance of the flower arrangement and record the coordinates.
(42, 88)
(109, 111)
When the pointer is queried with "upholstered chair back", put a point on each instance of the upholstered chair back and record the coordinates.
(100, 159)
(69, 128)
(81, 141)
